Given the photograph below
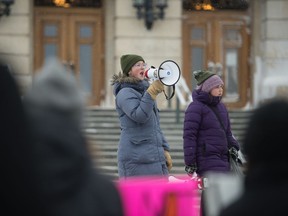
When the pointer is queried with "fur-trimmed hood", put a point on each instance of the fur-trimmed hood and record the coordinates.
(120, 81)
(122, 78)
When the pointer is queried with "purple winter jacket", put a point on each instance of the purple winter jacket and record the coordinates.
(205, 142)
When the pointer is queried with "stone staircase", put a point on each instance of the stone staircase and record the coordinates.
(101, 126)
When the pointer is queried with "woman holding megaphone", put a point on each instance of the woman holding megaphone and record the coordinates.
(142, 149)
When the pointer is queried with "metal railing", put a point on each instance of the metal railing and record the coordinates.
(184, 96)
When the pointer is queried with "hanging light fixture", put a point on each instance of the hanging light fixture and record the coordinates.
(5, 7)
(150, 10)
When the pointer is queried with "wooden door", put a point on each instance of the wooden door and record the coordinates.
(75, 37)
(218, 41)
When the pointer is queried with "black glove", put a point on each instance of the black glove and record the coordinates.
(190, 169)
(233, 153)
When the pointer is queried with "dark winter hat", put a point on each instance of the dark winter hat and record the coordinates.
(127, 61)
(202, 75)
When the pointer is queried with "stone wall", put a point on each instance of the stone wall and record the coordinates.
(124, 33)
(161, 43)
(271, 69)
(16, 39)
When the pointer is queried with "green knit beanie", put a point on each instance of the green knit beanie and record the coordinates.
(127, 61)
(202, 75)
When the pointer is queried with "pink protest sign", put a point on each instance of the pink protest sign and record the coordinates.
(151, 197)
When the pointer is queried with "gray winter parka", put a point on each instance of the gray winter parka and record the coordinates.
(142, 143)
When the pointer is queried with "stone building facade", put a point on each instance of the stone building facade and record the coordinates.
(267, 22)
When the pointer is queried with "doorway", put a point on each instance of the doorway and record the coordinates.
(73, 35)
(218, 41)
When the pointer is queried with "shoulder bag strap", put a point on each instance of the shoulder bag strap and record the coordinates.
(215, 110)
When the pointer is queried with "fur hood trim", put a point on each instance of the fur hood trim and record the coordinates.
(122, 78)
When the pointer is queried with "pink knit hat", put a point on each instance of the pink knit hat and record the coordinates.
(210, 83)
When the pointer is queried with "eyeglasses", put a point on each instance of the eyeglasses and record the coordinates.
(140, 65)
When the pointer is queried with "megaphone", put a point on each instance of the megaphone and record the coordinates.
(168, 73)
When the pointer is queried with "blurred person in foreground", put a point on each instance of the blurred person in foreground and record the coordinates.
(18, 192)
(265, 146)
(67, 183)
(143, 149)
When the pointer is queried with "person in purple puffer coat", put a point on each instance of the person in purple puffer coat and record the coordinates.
(207, 133)
(207, 141)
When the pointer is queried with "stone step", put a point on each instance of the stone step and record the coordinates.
(107, 140)
(177, 155)
(103, 128)
(91, 111)
(177, 163)
(166, 115)
(165, 122)
(112, 170)
(108, 149)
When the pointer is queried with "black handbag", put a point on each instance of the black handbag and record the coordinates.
(236, 165)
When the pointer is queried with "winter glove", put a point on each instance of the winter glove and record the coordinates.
(190, 169)
(233, 153)
(155, 88)
(168, 160)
